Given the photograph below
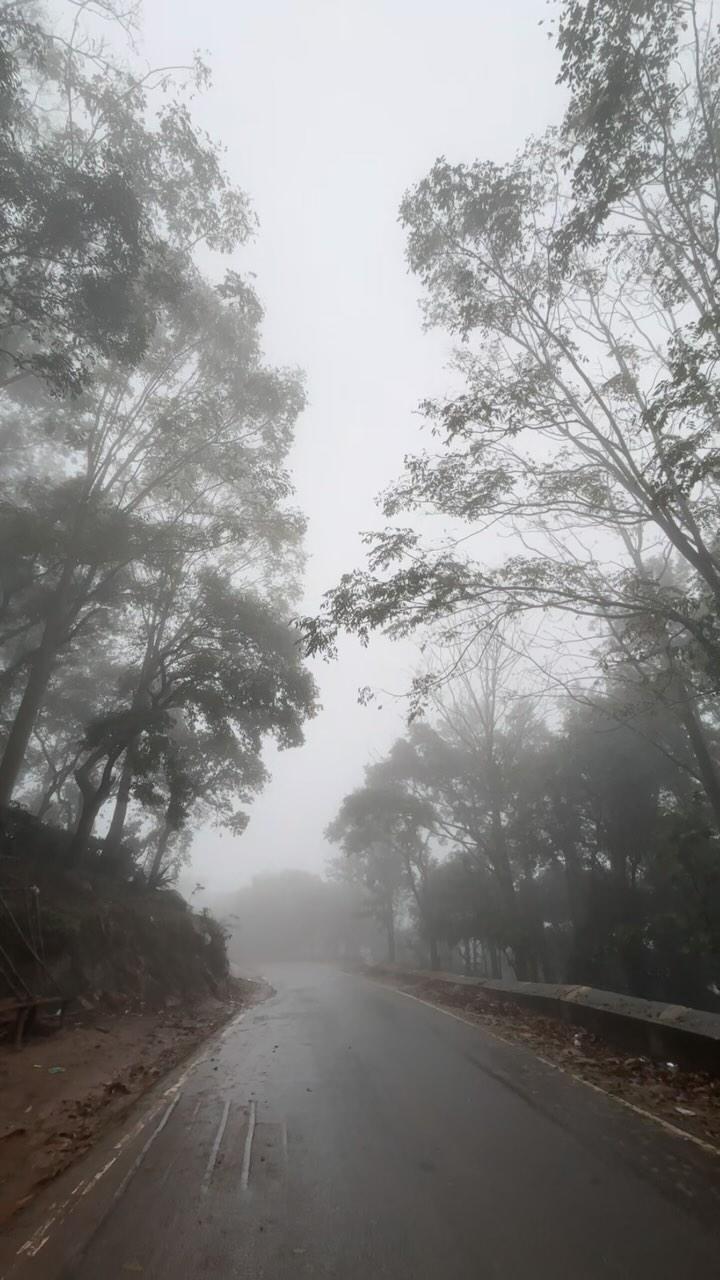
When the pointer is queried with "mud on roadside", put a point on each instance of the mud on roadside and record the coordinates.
(62, 1090)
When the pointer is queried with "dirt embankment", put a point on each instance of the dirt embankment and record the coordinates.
(95, 937)
(688, 1100)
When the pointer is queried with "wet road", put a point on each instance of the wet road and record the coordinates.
(343, 1130)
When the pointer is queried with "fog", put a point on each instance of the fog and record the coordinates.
(359, 426)
(329, 112)
(359, 637)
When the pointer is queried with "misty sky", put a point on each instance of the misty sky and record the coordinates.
(329, 110)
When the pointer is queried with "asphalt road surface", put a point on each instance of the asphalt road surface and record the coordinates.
(344, 1130)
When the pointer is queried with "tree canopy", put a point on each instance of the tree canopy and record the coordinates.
(574, 474)
(151, 547)
(108, 186)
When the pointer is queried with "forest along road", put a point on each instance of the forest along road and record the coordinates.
(343, 1129)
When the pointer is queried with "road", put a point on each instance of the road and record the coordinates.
(344, 1130)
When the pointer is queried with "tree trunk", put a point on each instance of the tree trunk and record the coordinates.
(93, 798)
(52, 788)
(156, 865)
(434, 955)
(579, 963)
(502, 870)
(117, 823)
(698, 740)
(521, 960)
(46, 794)
(26, 715)
(88, 813)
(41, 668)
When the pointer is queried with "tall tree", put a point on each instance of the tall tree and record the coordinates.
(390, 831)
(186, 451)
(476, 767)
(581, 279)
(223, 684)
(106, 191)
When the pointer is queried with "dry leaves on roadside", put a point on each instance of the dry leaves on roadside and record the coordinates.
(689, 1100)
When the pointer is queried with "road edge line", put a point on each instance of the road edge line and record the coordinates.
(707, 1147)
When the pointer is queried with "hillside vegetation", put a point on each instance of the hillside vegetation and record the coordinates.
(95, 936)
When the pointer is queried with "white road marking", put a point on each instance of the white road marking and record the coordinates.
(707, 1147)
(100, 1174)
(234, 1022)
(215, 1148)
(247, 1153)
(38, 1239)
(31, 1249)
(136, 1163)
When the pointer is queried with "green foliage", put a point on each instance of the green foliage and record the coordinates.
(582, 854)
(385, 831)
(104, 198)
(581, 279)
(151, 549)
